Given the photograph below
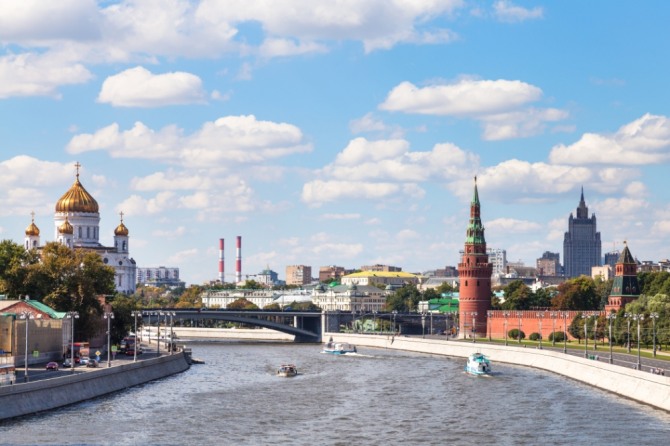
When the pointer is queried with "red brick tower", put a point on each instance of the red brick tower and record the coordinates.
(625, 287)
(474, 274)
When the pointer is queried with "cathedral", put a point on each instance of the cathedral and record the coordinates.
(77, 225)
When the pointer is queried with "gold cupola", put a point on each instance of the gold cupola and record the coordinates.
(77, 199)
(66, 228)
(121, 229)
(32, 230)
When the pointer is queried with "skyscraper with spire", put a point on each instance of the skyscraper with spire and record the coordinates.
(581, 245)
(474, 274)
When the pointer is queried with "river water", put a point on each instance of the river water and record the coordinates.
(377, 397)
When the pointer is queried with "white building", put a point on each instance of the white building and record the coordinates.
(396, 279)
(365, 298)
(77, 225)
(160, 276)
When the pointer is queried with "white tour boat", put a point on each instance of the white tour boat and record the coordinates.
(287, 370)
(339, 348)
(478, 364)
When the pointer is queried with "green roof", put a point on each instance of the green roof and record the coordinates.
(46, 309)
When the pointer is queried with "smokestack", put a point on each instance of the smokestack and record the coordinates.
(222, 277)
(238, 262)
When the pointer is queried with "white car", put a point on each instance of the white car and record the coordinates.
(84, 360)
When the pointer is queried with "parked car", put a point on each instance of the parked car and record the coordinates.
(84, 360)
(131, 352)
(52, 365)
(91, 363)
(67, 363)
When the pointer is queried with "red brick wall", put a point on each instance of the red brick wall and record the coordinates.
(530, 322)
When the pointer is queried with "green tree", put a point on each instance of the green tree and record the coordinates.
(241, 304)
(517, 296)
(14, 262)
(190, 298)
(405, 299)
(124, 321)
(578, 293)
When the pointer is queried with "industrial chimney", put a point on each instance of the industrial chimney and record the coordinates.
(238, 262)
(222, 277)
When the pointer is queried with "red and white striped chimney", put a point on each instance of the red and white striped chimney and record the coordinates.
(222, 277)
(238, 262)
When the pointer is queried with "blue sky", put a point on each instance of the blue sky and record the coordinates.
(337, 132)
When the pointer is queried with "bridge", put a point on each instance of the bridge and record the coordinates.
(304, 325)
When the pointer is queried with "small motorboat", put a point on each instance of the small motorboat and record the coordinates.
(478, 364)
(339, 348)
(287, 370)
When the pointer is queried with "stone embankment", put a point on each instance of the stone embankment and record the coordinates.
(186, 333)
(637, 385)
(38, 396)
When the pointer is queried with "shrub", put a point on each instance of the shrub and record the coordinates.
(534, 336)
(557, 336)
(516, 334)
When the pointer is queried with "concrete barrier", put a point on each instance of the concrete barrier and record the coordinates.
(38, 396)
(263, 334)
(637, 385)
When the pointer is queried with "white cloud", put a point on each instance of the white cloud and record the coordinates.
(137, 205)
(506, 11)
(511, 226)
(274, 47)
(181, 257)
(520, 124)
(466, 97)
(232, 139)
(180, 231)
(643, 141)
(30, 74)
(138, 87)
(341, 216)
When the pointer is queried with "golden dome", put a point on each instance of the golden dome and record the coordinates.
(121, 230)
(32, 229)
(66, 228)
(77, 199)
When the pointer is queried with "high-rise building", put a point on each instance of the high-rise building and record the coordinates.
(474, 273)
(298, 275)
(549, 264)
(611, 258)
(625, 287)
(581, 245)
(332, 272)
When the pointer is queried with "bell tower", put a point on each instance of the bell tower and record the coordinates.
(474, 274)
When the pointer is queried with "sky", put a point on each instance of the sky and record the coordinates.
(338, 132)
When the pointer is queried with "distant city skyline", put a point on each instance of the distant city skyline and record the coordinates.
(337, 133)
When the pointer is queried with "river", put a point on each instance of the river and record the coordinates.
(377, 397)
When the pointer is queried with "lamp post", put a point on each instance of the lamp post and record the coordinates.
(553, 316)
(519, 315)
(172, 315)
(539, 317)
(27, 315)
(431, 324)
(653, 317)
(423, 325)
(489, 314)
(586, 337)
(395, 313)
(474, 327)
(610, 317)
(639, 318)
(158, 335)
(506, 315)
(72, 315)
(628, 316)
(109, 316)
(374, 321)
(135, 314)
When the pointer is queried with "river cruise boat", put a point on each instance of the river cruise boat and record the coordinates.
(478, 364)
(339, 348)
(287, 370)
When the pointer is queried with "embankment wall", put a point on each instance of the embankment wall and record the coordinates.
(230, 333)
(637, 385)
(38, 396)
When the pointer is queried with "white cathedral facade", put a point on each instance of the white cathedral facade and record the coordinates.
(77, 225)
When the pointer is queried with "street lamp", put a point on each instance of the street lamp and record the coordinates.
(519, 315)
(653, 317)
(586, 337)
(553, 316)
(72, 315)
(489, 314)
(27, 315)
(423, 325)
(158, 335)
(539, 317)
(628, 316)
(109, 316)
(135, 314)
(506, 315)
(610, 317)
(431, 323)
(474, 327)
(374, 321)
(595, 331)
(565, 332)
(395, 313)
(172, 315)
(639, 318)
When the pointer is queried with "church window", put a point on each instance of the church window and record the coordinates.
(105, 260)
(124, 246)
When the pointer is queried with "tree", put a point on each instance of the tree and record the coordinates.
(444, 288)
(430, 293)
(517, 296)
(14, 260)
(241, 304)
(404, 299)
(190, 298)
(576, 327)
(578, 293)
(124, 321)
